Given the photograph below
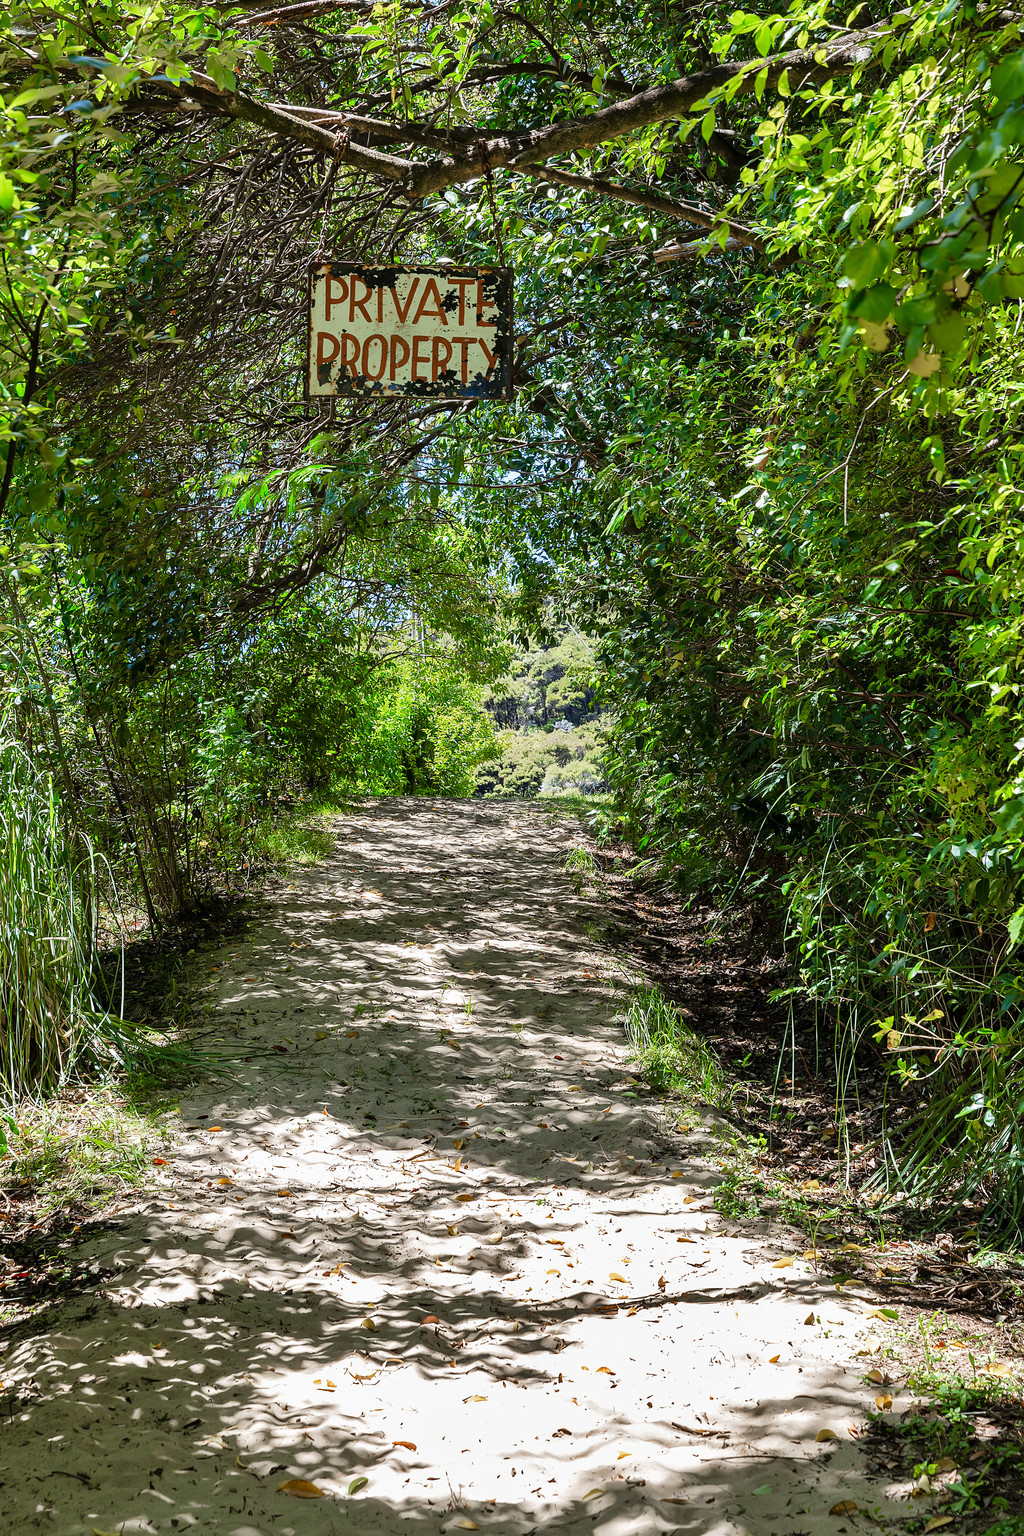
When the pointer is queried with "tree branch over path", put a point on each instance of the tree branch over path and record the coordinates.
(740, 234)
(523, 148)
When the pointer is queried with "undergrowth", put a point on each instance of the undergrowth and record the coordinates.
(959, 1444)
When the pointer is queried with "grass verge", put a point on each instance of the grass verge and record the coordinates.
(302, 836)
(668, 1055)
(77, 1153)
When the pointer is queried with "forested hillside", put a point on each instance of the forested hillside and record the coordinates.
(550, 734)
(764, 453)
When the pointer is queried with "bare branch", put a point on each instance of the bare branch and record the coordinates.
(689, 250)
(739, 233)
(337, 146)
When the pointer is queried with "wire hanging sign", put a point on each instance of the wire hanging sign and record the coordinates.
(440, 332)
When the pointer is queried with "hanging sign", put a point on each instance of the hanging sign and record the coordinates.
(441, 332)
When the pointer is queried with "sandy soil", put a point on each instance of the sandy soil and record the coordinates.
(380, 1259)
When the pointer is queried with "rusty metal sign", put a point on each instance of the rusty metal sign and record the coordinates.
(441, 332)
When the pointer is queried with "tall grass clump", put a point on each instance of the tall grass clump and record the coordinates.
(937, 1009)
(52, 1023)
(667, 1053)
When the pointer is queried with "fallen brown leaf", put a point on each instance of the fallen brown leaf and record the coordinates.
(299, 1488)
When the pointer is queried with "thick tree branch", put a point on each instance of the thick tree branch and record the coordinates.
(675, 99)
(688, 250)
(306, 10)
(337, 146)
(519, 150)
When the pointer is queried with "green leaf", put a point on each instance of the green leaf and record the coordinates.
(874, 304)
(919, 210)
(43, 93)
(948, 332)
(1015, 926)
(357, 1483)
(865, 263)
(1007, 79)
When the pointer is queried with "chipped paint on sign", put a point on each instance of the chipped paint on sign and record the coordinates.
(442, 332)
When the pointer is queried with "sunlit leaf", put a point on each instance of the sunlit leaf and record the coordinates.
(299, 1488)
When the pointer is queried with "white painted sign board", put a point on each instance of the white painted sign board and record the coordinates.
(441, 332)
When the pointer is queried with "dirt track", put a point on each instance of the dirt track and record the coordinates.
(386, 1250)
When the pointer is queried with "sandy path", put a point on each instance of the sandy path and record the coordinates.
(440, 1132)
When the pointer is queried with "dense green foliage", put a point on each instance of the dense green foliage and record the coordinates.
(773, 472)
(550, 736)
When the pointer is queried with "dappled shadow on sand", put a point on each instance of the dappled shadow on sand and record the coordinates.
(401, 1246)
